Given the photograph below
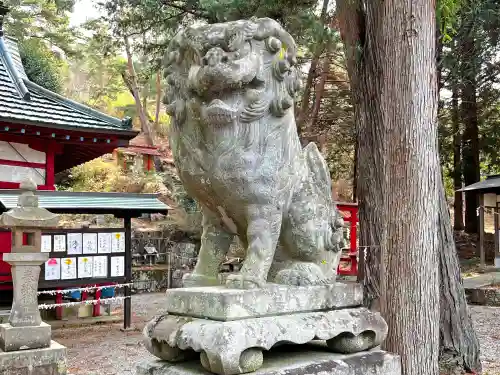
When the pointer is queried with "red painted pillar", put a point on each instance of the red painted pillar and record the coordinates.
(97, 306)
(354, 244)
(59, 309)
(49, 169)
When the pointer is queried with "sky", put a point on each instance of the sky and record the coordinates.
(84, 10)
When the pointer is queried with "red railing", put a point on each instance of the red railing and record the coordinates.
(349, 263)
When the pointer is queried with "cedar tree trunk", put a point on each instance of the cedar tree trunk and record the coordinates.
(393, 73)
(389, 49)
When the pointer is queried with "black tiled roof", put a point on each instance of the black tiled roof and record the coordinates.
(22, 101)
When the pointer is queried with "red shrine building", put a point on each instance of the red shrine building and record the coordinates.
(43, 133)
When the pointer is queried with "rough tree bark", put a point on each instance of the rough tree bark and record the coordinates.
(457, 158)
(458, 343)
(394, 55)
(381, 68)
(469, 114)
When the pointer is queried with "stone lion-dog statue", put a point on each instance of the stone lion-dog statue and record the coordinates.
(235, 144)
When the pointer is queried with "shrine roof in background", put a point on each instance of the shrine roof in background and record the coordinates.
(118, 204)
(490, 185)
(23, 101)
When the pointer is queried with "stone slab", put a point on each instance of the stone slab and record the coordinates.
(30, 337)
(221, 303)
(236, 347)
(47, 361)
(303, 360)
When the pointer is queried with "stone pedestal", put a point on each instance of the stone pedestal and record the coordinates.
(47, 361)
(240, 325)
(25, 274)
(20, 338)
(302, 360)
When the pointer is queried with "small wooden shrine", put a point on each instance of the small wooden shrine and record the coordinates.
(489, 203)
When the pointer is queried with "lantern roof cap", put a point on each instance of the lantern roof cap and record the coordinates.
(28, 214)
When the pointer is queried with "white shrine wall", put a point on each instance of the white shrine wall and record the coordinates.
(18, 161)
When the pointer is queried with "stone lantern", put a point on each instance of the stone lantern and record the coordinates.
(25, 329)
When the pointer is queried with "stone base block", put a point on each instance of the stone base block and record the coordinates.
(18, 338)
(236, 347)
(221, 303)
(296, 361)
(47, 361)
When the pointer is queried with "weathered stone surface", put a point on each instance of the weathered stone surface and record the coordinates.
(30, 337)
(25, 274)
(235, 347)
(47, 361)
(306, 360)
(235, 144)
(27, 213)
(220, 303)
(485, 296)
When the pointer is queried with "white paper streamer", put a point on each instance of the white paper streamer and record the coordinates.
(86, 289)
(106, 301)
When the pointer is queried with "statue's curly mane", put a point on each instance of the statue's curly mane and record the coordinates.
(278, 76)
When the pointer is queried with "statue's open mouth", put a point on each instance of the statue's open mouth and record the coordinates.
(218, 112)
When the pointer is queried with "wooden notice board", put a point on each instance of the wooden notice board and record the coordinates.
(84, 256)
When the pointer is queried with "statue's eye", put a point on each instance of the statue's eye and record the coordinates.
(224, 59)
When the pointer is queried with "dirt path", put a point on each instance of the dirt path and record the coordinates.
(105, 350)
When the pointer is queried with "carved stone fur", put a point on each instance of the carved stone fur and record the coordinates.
(234, 139)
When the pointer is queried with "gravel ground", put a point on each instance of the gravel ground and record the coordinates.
(105, 350)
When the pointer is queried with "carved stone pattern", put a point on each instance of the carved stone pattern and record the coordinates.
(235, 347)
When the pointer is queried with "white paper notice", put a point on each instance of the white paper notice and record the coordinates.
(60, 243)
(118, 243)
(74, 243)
(117, 266)
(53, 269)
(68, 268)
(46, 244)
(85, 266)
(100, 266)
(104, 243)
(90, 243)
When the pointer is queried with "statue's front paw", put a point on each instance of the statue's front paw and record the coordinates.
(194, 279)
(242, 281)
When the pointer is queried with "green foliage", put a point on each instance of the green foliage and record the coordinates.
(41, 66)
(446, 13)
(45, 20)
(106, 176)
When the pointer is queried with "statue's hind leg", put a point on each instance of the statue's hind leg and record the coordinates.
(263, 231)
(215, 243)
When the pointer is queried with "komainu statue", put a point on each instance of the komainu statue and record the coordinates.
(234, 139)
(235, 143)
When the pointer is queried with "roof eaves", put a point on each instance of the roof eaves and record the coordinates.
(125, 124)
(128, 134)
(12, 71)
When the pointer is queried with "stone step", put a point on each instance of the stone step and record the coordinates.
(221, 303)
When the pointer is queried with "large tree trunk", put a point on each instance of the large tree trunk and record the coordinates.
(457, 159)
(459, 346)
(371, 74)
(396, 53)
(469, 112)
